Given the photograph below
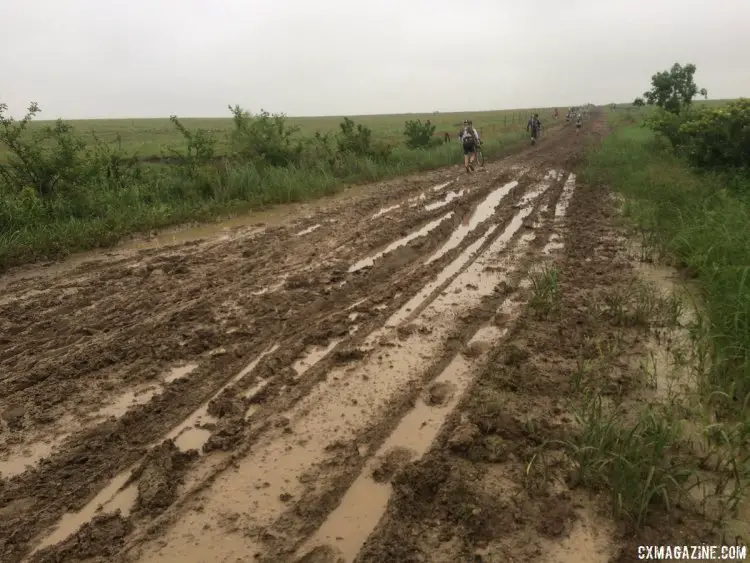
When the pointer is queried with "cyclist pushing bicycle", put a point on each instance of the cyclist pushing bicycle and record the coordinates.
(534, 125)
(470, 140)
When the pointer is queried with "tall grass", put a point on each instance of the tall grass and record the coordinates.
(701, 221)
(90, 217)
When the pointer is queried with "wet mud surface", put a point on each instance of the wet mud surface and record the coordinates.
(305, 390)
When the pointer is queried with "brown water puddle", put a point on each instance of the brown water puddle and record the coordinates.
(482, 212)
(385, 210)
(364, 503)
(348, 401)
(420, 197)
(370, 260)
(188, 435)
(449, 197)
(314, 356)
(454, 267)
(301, 366)
(28, 455)
(309, 230)
(442, 186)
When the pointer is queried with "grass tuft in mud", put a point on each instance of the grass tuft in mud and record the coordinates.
(545, 286)
(634, 461)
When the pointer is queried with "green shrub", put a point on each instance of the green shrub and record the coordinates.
(419, 135)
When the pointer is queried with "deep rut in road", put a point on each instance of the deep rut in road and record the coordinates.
(252, 393)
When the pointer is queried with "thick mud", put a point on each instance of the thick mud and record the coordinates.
(306, 389)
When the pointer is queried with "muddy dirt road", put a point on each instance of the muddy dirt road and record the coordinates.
(248, 396)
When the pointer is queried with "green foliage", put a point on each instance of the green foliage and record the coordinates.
(638, 102)
(718, 137)
(419, 135)
(111, 165)
(674, 89)
(264, 138)
(700, 222)
(61, 192)
(200, 145)
(48, 159)
(713, 138)
(709, 137)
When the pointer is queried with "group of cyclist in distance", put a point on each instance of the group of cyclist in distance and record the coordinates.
(469, 136)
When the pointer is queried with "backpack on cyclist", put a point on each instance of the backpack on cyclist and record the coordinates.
(469, 137)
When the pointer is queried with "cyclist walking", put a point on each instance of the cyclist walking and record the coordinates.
(469, 138)
(534, 125)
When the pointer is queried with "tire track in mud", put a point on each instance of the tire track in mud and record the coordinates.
(325, 298)
(138, 435)
(252, 464)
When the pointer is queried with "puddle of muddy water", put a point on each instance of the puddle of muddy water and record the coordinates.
(364, 503)
(335, 411)
(448, 272)
(186, 436)
(31, 455)
(71, 522)
(450, 196)
(270, 289)
(34, 452)
(454, 267)
(483, 211)
(314, 356)
(126, 401)
(308, 230)
(369, 261)
(222, 230)
(385, 210)
(144, 394)
(179, 372)
(300, 367)
(565, 196)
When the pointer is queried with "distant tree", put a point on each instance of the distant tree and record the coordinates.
(638, 102)
(674, 89)
(704, 93)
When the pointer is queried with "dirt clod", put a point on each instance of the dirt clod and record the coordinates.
(387, 466)
(321, 554)
(159, 476)
(463, 437)
(347, 355)
(439, 394)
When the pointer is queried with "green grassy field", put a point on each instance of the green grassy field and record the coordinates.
(152, 137)
(97, 212)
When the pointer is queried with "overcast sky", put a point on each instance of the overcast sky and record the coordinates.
(152, 58)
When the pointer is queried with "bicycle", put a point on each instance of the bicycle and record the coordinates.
(479, 154)
(534, 135)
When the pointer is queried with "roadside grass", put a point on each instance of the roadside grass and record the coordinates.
(700, 224)
(93, 217)
(687, 448)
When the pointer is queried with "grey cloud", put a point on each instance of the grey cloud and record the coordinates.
(88, 58)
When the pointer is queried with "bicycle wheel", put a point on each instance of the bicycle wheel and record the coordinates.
(480, 157)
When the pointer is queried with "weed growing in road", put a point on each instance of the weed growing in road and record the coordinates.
(545, 287)
(633, 460)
